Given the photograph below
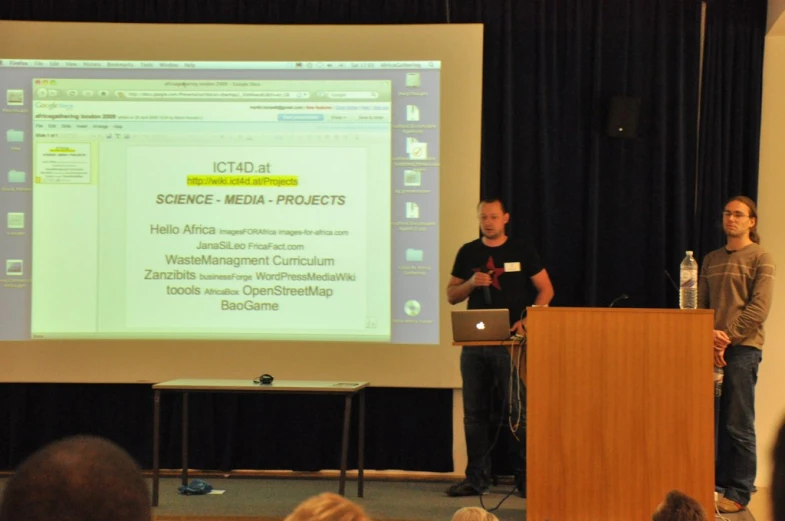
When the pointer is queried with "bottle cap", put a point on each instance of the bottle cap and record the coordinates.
(689, 252)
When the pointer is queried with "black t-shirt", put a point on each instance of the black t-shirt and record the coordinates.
(513, 264)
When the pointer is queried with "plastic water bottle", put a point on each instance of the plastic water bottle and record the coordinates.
(719, 376)
(688, 278)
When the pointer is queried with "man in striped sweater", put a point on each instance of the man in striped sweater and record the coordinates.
(737, 282)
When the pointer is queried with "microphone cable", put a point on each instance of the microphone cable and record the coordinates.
(507, 405)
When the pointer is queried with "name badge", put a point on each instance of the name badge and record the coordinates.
(512, 266)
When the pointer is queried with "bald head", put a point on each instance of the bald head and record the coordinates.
(83, 478)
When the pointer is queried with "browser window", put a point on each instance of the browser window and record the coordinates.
(221, 204)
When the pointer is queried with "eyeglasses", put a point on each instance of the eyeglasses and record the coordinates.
(738, 215)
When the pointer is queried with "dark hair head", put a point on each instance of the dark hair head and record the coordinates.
(778, 478)
(491, 200)
(754, 237)
(80, 478)
(679, 507)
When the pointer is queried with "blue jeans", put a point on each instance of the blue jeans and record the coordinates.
(736, 463)
(486, 372)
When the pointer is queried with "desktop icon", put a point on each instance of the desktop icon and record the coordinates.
(16, 220)
(412, 79)
(412, 178)
(412, 113)
(414, 255)
(412, 210)
(15, 136)
(17, 176)
(416, 148)
(14, 97)
(412, 308)
(14, 267)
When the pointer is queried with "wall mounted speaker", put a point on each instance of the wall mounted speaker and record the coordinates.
(623, 115)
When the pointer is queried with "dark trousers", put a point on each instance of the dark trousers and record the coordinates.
(736, 463)
(485, 369)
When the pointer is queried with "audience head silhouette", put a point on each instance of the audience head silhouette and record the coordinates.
(473, 514)
(327, 507)
(83, 478)
(679, 507)
(778, 479)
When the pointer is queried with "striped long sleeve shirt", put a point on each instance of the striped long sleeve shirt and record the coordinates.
(738, 286)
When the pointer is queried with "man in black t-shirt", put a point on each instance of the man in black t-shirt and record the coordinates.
(494, 272)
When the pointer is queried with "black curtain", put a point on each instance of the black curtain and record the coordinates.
(608, 214)
(731, 97)
(408, 429)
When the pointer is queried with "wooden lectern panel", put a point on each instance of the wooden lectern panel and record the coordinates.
(620, 411)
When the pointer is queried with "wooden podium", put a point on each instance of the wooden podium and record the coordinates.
(620, 411)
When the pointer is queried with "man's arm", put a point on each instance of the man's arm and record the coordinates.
(757, 308)
(542, 283)
(545, 292)
(459, 289)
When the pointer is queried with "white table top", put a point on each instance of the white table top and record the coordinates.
(206, 384)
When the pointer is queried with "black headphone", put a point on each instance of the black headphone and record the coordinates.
(265, 379)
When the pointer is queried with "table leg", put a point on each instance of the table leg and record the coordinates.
(361, 445)
(347, 419)
(185, 439)
(156, 443)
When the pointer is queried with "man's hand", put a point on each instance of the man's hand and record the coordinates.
(721, 340)
(480, 279)
(719, 358)
(518, 328)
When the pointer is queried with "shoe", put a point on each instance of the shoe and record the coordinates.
(520, 488)
(728, 506)
(464, 488)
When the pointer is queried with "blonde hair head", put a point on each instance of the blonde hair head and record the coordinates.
(473, 514)
(327, 507)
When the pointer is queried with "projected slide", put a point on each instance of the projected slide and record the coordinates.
(201, 200)
(301, 253)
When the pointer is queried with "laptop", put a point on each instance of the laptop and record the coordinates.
(476, 325)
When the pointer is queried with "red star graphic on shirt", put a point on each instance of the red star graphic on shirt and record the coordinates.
(490, 266)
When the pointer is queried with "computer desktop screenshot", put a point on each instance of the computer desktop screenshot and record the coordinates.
(221, 200)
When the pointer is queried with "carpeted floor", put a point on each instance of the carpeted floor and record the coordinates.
(272, 499)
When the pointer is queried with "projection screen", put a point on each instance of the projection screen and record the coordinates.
(221, 201)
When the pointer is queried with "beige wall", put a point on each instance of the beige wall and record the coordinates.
(771, 211)
(774, 18)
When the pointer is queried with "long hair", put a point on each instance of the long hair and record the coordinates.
(754, 236)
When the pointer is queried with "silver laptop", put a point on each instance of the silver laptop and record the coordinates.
(475, 325)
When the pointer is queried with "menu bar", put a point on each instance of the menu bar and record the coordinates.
(186, 65)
